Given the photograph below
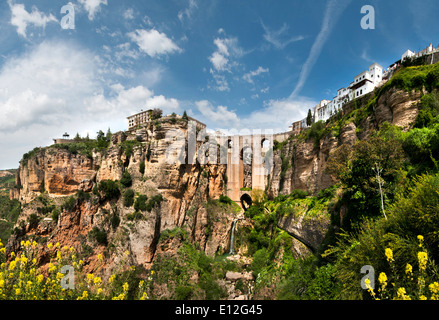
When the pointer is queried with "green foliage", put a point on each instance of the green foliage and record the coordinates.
(260, 259)
(414, 213)
(428, 110)
(354, 167)
(128, 146)
(309, 118)
(140, 203)
(9, 212)
(153, 201)
(109, 188)
(99, 235)
(316, 132)
(142, 167)
(225, 199)
(126, 180)
(114, 219)
(69, 204)
(128, 198)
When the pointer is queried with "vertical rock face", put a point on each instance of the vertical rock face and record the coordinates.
(300, 164)
(56, 173)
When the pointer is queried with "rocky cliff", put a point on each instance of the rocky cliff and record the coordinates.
(50, 176)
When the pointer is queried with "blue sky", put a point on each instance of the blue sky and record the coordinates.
(229, 63)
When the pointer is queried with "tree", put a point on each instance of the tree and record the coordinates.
(156, 113)
(185, 117)
(355, 167)
(309, 118)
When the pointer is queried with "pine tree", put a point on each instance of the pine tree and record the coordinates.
(185, 117)
(309, 118)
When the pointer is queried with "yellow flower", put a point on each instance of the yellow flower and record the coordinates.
(99, 291)
(422, 259)
(125, 287)
(90, 277)
(389, 254)
(97, 280)
(85, 295)
(12, 254)
(22, 243)
(100, 257)
(144, 296)
(34, 244)
(23, 259)
(27, 244)
(52, 267)
(58, 255)
(111, 279)
(50, 246)
(17, 291)
(402, 294)
(422, 297)
(12, 265)
(40, 278)
(141, 282)
(420, 238)
(3, 250)
(126, 253)
(382, 278)
(59, 276)
(434, 287)
(408, 269)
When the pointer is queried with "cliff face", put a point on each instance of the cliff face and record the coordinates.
(55, 173)
(50, 175)
(300, 164)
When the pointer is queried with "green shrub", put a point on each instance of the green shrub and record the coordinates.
(99, 235)
(142, 167)
(140, 203)
(126, 180)
(68, 204)
(155, 200)
(109, 188)
(225, 199)
(128, 198)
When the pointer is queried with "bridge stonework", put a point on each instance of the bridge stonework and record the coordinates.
(249, 164)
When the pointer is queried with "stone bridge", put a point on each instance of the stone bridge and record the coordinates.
(249, 163)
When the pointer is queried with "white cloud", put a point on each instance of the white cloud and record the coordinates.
(153, 42)
(278, 114)
(92, 6)
(249, 76)
(57, 87)
(218, 61)
(21, 18)
(277, 38)
(219, 116)
(128, 14)
(187, 12)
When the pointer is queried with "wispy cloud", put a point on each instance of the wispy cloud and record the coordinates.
(279, 38)
(92, 7)
(186, 14)
(250, 75)
(21, 18)
(333, 11)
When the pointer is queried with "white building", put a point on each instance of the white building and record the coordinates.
(366, 81)
(407, 54)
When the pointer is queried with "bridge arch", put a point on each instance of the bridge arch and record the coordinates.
(246, 201)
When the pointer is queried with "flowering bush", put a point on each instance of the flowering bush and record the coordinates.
(410, 286)
(22, 279)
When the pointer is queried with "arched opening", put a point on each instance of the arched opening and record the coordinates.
(246, 201)
(265, 144)
(246, 155)
(230, 143)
